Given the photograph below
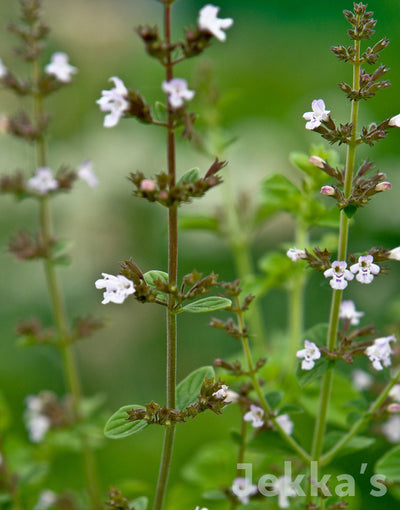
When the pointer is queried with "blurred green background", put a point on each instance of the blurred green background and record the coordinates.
(275, 62)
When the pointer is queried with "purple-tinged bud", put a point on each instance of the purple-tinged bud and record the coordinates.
(147, 185)
(382, 176)
(328, 190)
(163, 195)
(383, 186)
(394, 408)
(317, 161)
(395, 121)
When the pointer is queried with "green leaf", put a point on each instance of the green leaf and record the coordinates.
(188, 390)
(151, 277)
(291, 409)
(278, 192)
(304, 377)
(118, 425)
(208, 304)
(190, 176)
(350, 210)
(389, 465)
(198, 223)
(5, 498)
(274, 398)
(317, 334)
(139, 503)
(355, 443)
(269, 442)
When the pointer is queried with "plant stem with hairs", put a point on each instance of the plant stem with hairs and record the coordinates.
(342, 253)
(169, 433)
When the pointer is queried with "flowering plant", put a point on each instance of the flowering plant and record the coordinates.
(298, 401)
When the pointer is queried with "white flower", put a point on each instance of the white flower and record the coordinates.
(118, 288)
(114, 101)
(394, 393)
(310, 353)
(36, 422)
(232, 397)
(286, 424)
(361, 380)
(198, 508)
(47, 498)
(86, 173)
(295, 254)
(379, 352)
(209, 22)
(391, 429)
(339, 275)
(221, 393)
(348, 312)
(243, 489)
(60, 68)
(3, 70)
(395, 121)
(394, 254)
(365, 269)
(43, 181)
(318, 114)
(177, 90)
(255, 415)
(284, 488)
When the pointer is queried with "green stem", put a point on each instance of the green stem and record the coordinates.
(326, 391)
(264, 404)
(240, 456)
(169, 433)
(359, 424)
(58, 307)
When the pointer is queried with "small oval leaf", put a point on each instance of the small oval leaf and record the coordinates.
(208, 304)
(154, 275)
(118, 426)
(190, 176)
(188, 390)
(139, 503)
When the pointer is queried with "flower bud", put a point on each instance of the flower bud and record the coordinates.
(147, 185)
(395, 253)
(383, 186)
(394, 408)
(327, 190)
(395, 121)
(4, 124)
(317, 161)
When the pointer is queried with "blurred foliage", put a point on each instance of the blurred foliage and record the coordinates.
(275, 61)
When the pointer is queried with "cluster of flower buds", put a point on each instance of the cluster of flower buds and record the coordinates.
(196, 39)
(32, 332)
(154, 286)
(363, 188)
(236, 367)
(190, 186)
(212, 396)
(117, 500)
(369, 84)
(44, 182)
